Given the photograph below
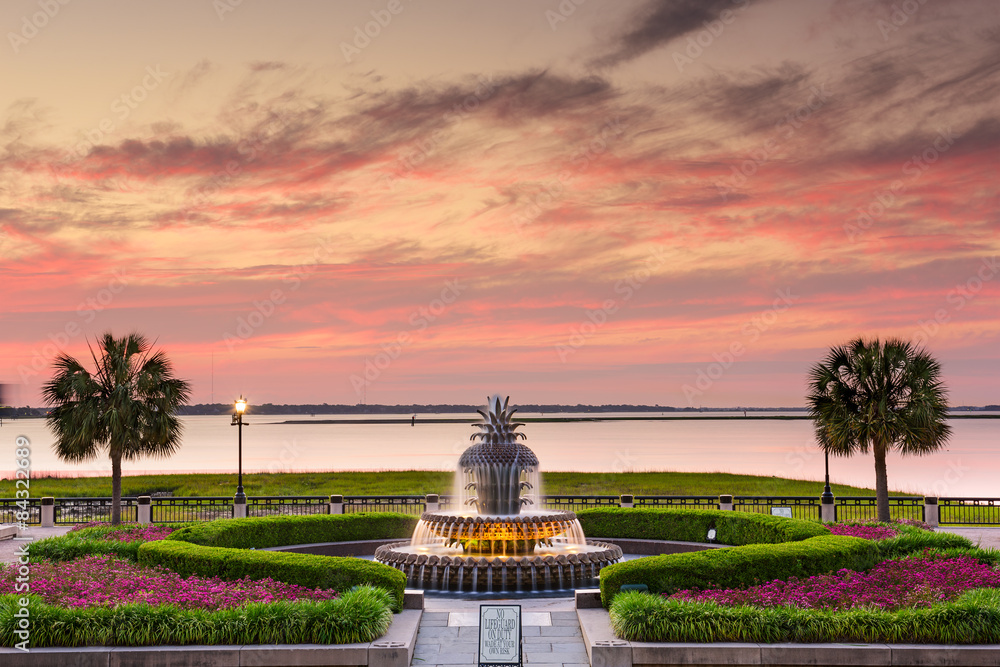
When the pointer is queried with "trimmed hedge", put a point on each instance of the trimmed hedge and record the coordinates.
(278, 531)
(972, 619)
(360, 615)
(340, 574)
(740, 567)
(733, 528)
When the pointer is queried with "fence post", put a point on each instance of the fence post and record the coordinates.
(432, 502)
(931, 512)
(726, 502)
(239, 508)
(48, 512)
(144, 509)
(336, 504)
(626, 500)
(827, 509)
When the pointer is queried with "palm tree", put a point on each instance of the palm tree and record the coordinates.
(870, 395)
(126, 407)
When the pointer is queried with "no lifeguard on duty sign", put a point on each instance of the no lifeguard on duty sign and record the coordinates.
(499, 635)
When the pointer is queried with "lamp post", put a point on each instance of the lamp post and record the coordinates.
(241, 406)
(827, 493)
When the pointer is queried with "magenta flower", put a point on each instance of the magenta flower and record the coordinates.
(894, 584)
(106, 581)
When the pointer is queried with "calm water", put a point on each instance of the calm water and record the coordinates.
(970, 466)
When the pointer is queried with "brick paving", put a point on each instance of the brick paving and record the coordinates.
(551, 633)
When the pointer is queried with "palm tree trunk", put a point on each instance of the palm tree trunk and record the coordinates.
(116, 489)
(881, 483)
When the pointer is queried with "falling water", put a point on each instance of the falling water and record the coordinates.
(446, 580)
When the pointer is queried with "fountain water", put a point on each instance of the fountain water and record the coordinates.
(502, 530)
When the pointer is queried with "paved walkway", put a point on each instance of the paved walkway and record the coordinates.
(449, 633)
(987, 538)
(9, 548)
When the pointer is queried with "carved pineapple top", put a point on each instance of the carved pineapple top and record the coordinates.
(499, 439)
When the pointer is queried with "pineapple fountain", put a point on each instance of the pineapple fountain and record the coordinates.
(502, 543)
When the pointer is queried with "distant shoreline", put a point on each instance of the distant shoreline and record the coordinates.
(535, 420)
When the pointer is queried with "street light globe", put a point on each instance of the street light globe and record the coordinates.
(241, 405)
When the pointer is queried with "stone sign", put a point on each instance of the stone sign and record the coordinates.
(499, 635)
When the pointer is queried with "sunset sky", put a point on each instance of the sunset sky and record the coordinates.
(674, 202)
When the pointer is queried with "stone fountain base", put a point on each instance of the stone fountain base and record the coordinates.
(561, 567)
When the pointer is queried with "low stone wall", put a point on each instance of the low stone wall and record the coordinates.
(606, 650)
(393, 649)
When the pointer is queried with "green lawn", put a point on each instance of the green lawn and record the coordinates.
(429, 481)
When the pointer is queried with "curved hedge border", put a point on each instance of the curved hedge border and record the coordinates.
(740, 567)
(972, 619)
(225, 549)
(733, 528)
(278, 531)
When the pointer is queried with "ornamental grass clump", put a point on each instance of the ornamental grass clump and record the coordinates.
(106, 581)
(899, 584)
(864, 531)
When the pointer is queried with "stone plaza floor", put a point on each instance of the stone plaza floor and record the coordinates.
(449, 632)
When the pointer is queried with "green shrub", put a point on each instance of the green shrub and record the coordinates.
(340, 574)
(972, 619)
(360, 615)
(740, 567)
(733, 528)
(71, 546)
(276, 531)
(912, 542)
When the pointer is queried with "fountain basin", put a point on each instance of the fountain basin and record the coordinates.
(556, 567)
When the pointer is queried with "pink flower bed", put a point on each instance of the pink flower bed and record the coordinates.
(894, 584)
(95, 581)
(146, 533)
(861, 530)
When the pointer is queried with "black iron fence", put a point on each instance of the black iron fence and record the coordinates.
(797, 507)
(69, 511)
(72, 511)
(404, 504)
(969, 511)
(178, 510)
(678, 502)
(864, 508)
(21, 510)
(573, 503)
(296, 505)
